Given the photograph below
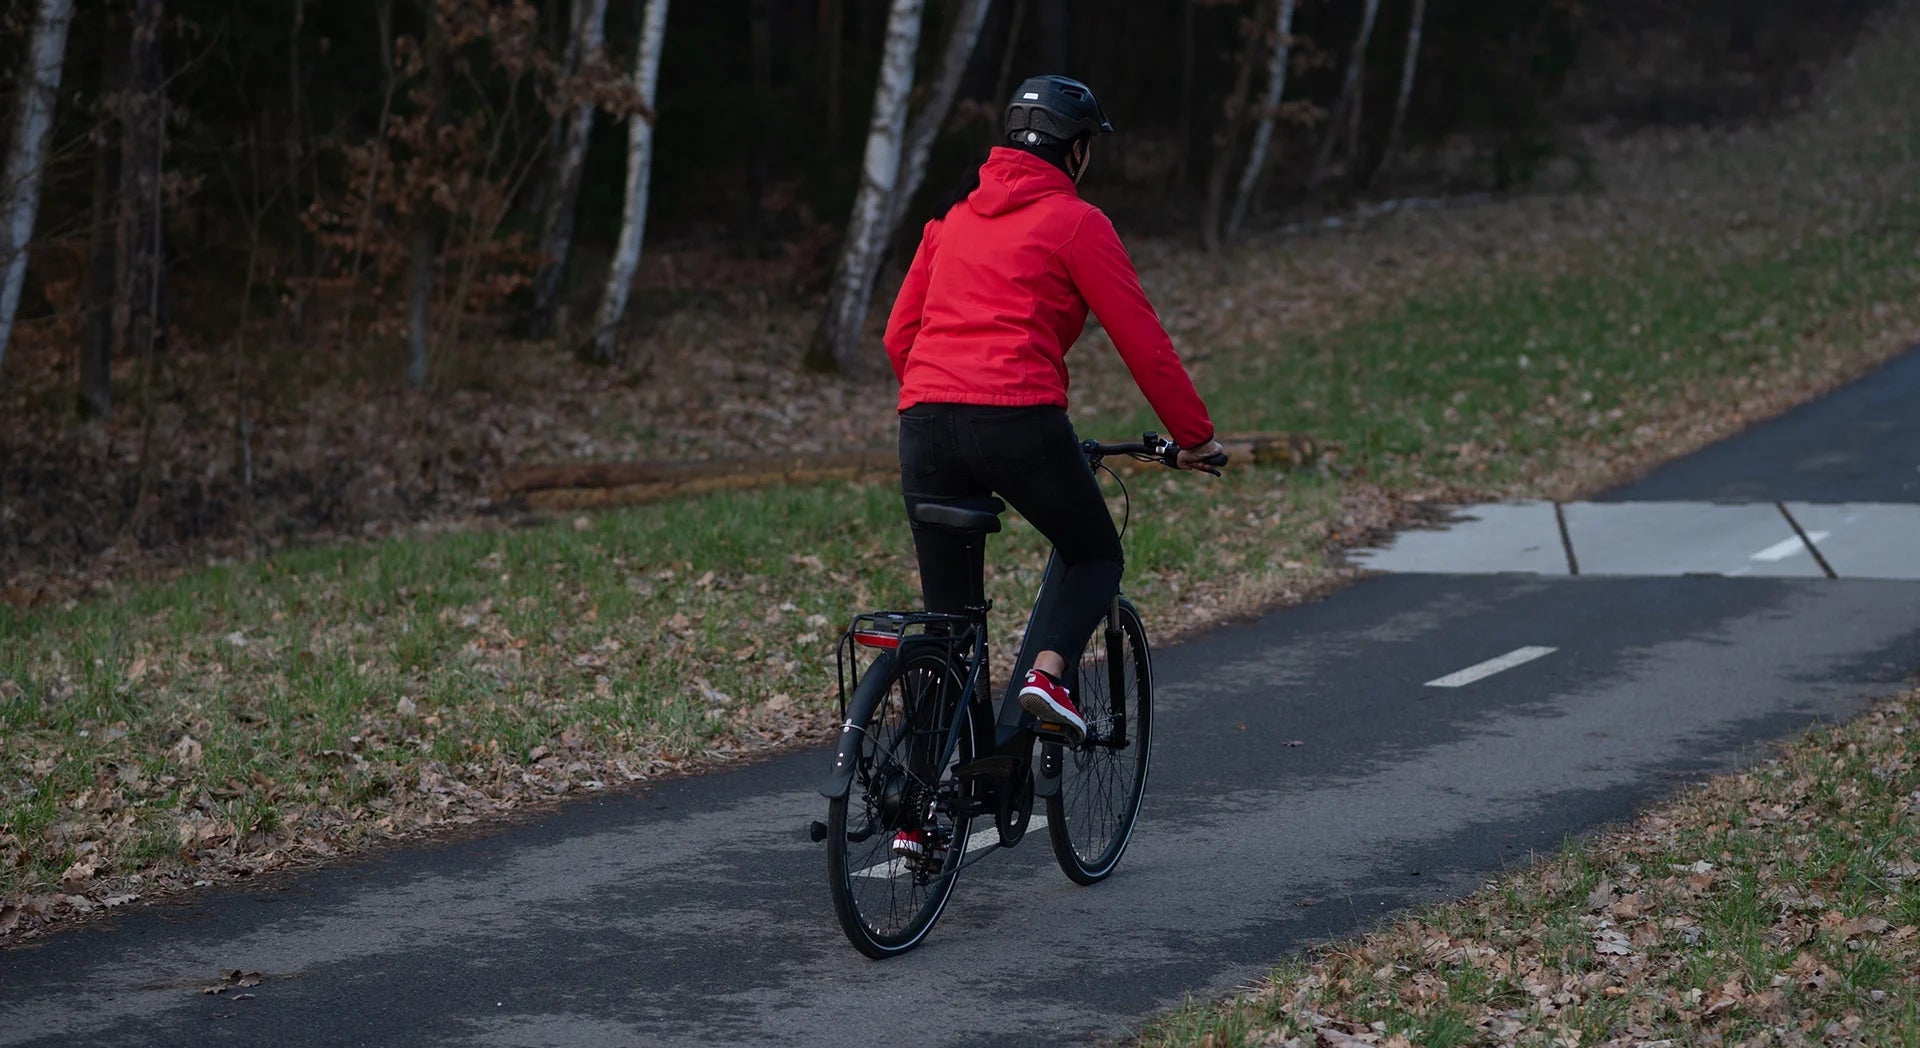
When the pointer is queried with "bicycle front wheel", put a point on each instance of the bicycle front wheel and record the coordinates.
(886, 902)
(1090, 819)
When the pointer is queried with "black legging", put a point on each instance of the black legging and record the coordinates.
(1031, 458)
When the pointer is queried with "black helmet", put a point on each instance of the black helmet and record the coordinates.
(1053, 110)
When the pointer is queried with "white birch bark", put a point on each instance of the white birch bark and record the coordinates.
(836, 342)
(1339, 122)
(1407, 67)
(27, 154)
(587, 40)
(1263, 134)
(633, 224)
(925, 126)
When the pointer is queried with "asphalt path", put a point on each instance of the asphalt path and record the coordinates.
(1308, 782)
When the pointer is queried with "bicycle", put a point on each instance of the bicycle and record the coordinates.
(920, 748)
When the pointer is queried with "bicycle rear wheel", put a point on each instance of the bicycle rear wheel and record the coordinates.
(887, 904)
(1090, 819)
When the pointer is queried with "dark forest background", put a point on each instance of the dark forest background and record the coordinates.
(244, 201)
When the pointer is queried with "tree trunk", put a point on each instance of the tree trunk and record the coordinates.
(298, 152)
(1009, 55)
(143, 118)
(925, 126)
(1263, 134)
(1183, 143)
(38, 88)
(1407, 67)
(383, 25)
(1233, 111)
(424, 241)
(760, 60)
(103, 257)
(584, 46)
(423, 264)
(1343, 119)
(633, 224)
(837, 341)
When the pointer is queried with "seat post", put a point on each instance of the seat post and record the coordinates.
(977, 603)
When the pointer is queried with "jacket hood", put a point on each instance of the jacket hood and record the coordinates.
(1011, 179)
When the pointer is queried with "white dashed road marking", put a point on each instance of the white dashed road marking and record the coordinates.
(1788, 547)
(983, 836)
(1481, 671)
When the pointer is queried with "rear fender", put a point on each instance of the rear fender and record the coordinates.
(846, 751)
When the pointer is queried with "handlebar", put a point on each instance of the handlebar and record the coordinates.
(1151, 447)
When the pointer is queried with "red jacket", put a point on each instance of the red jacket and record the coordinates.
(1000, 288)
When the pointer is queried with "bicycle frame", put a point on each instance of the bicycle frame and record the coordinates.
(1013, 733)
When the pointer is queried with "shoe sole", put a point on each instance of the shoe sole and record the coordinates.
(1042, 706)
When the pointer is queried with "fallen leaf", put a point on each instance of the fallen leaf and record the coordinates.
(187, 750)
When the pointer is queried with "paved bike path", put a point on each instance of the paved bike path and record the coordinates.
(696, 912)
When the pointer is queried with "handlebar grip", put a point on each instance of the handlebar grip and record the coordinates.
(1216, 460)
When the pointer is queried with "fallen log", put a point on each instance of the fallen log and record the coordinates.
(599, 485)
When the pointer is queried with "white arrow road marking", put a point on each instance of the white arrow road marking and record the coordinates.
(1516, 657)
(985, 837)
(1788, 547)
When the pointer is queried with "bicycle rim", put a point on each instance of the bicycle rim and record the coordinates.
(1090, 820)
(886, 906)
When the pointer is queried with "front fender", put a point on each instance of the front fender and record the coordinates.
(846, 749)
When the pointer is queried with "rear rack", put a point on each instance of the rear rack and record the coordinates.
(889, 631)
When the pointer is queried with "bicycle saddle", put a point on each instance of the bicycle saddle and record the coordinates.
(975, 515)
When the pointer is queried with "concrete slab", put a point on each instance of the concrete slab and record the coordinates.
(1874, 540)
(1686, 538)
(1488, 539)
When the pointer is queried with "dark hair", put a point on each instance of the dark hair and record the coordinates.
(959, 191)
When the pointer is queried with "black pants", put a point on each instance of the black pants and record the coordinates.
(1031, 458)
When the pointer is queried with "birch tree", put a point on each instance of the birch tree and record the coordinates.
(836, 342)
(633, 224)
(925, 125)
(1227, 135)
(1407, 67)
(1343, 122)
(1263, 134)
(27, 153)
(585, 42)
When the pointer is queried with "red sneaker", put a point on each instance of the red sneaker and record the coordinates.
(1048, 701)
(910, 844)
(924, 851)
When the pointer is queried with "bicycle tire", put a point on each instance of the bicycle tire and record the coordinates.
(1091, 817)
(884, 906)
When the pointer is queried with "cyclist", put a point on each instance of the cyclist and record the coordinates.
(999, 289)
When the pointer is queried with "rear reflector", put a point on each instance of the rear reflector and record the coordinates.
(877, 640)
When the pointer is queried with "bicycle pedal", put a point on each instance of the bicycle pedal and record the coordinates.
(1054, 733)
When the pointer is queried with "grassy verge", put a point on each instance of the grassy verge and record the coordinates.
(1779, 906)
(250, 716)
